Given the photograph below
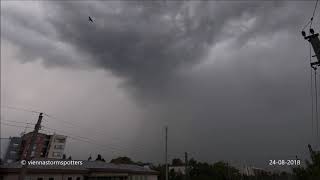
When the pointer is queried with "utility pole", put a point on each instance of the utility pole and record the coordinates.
(228, 171)
(23, 171)
(186, 170)
(313, 39)
(166, 153)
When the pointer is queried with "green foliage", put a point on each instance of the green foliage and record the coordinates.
(177, 162)
(312, 169)
(100, 158)
(122, 160)
(175, 176)
(218, 171)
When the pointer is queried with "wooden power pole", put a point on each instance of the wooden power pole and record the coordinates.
(313, 39)
(23, 171)
(186, 170)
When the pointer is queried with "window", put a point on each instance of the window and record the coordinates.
(56, 154)
(58, 146)
(59, 140)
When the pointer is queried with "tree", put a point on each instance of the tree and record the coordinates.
(312, 169)
(177, 162)
(69, 158)
(64, 156)
(217, 171)
(175, 176)
(122, 160)
(99, 158)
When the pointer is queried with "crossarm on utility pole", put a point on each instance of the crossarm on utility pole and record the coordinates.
(315, 43)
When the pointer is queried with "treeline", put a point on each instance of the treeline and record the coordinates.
(223, 171)
(202, 171)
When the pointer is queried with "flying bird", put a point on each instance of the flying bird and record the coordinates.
(90, 19)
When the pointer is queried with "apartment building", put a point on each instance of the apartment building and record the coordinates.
(45, 146)
(56, 146)
(39, 148)
(13, 150)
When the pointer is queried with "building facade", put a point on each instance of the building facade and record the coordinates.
(13, 150)
(39, 148)
(56, 146)
(45, 146)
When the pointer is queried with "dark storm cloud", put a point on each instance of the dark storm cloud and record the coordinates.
(144, 42)
(245, 104)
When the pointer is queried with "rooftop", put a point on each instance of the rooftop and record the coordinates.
(87, 166)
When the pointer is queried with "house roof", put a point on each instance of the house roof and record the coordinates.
(86, 167)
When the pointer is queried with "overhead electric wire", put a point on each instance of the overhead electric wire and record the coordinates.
(20, 109)
(89, 129)
(17, 122)
(12, 125)
(314, 11)
(312, 17)
(85, 139)
(95, 130)
(304, 27)
(72, 126)
(66, 133)
(311, 91)
(316, 102)
(102, 146)
(80, 139)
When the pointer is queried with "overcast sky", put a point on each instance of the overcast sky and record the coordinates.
(230, 79)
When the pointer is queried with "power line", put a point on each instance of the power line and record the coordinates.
(95, 130)
(50, 116)
(11, 125)
(312, 17)
(67, 133)
(20, 109)
(72, 125)
(314, 11)
(90, 141)
(311, 92)
(58, 130)
(85, 139)
(316, 102)
(19, 122)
